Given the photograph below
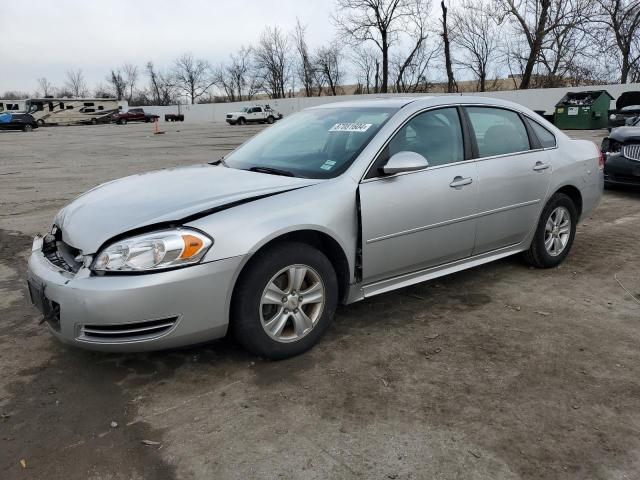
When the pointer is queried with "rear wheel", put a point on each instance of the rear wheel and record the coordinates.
(123, 121)
(284, 301)
(40, 122)
(554, 234)
(94, 121)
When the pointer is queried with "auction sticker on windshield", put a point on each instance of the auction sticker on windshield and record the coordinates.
(350, 127)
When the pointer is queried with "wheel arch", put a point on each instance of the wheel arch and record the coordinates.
(324, 242)
(574, 194)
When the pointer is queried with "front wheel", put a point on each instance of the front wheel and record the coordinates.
(554, 234)
(123, 121)
(284, 301)
(270, 119)
(27, 128)
(242, 121)
(41, 122)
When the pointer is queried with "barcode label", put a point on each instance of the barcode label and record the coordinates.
(350, 127)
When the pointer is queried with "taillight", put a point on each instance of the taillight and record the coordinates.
(601, 158)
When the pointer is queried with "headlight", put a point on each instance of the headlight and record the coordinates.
(153, 251)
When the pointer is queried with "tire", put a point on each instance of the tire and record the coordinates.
(123, 121)
(94, 121)
(242, 121)
(27, 128)
(270, 119)
(298, 331)
(554, 214)
(40, 122)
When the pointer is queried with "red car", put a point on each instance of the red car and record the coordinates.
(134, 115)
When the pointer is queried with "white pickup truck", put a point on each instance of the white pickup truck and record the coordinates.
(253, 114)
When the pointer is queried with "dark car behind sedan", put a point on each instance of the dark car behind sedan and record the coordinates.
(17, 121)
(627, 110)
(622, 156)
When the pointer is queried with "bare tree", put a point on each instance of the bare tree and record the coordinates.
(534, 20)
(193, 76)
(475, 34)
(328, 63)
(45, 87)
(451, 81)
(76, 84)
(410, 69)
(366, 65)
(118, 84)
(620, 25)
(304, 67)
(238, 78)
(130, 75)
(377, 21)
(162, 86)
(272, 61)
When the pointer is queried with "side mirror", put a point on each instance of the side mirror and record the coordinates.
(405, 162)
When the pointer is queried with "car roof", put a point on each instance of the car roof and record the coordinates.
(421, 101)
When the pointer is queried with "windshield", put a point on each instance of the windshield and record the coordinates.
(318, 143)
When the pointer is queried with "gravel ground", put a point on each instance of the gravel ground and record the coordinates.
(498, 372)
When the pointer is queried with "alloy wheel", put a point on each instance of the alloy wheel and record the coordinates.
(292, 303)
(557, 231)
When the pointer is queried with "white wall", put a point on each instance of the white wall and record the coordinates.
(535, 99)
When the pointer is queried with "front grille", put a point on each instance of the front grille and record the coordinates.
(60, 254)
(127, 332)
(229, 116)
(632, 152)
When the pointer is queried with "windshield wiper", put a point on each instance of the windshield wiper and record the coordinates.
(220, 161)
(272, 171)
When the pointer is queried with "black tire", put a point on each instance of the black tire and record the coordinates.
(537, 255)
(246, 323)
(242, 121)
(40, 122)
(270, 119)
(123, 121)
(27, 128)
(94, 121)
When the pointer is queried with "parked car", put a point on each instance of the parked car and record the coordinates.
(622, 156)
(253, 114)
(174, 117)
(17, 121)
(335, 204)
(627, 110)
(134, 115)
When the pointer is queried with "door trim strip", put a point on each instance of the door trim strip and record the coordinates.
(451, 222)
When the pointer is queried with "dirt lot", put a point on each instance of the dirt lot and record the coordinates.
(500, 372)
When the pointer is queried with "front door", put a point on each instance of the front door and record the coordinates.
(416, 220)
(513, 178)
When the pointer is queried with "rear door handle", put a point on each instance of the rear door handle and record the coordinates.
(460, 182)
(539, 166)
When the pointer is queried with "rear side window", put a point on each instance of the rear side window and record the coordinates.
(546, 138)
(435, 134)
(498, 131)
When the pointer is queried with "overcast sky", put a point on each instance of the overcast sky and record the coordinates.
(45, 38)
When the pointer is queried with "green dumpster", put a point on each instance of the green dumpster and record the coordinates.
(583, 110)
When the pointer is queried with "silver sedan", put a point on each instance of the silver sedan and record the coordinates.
(334, 204)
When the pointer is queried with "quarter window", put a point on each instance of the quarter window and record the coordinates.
(546, 138)
(498, 131)
(435, 134)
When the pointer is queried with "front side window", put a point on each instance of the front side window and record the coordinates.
(317, 143)
(435, 134)
(497, 131)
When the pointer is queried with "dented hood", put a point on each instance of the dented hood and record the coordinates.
(168, 195)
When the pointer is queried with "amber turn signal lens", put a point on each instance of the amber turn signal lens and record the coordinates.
(192, 246)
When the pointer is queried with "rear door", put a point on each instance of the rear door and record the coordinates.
(513, 173)
(416, 220)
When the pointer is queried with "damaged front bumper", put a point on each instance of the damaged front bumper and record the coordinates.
(141, 312)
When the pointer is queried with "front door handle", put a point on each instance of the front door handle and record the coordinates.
(460, 182)
(539, 166)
